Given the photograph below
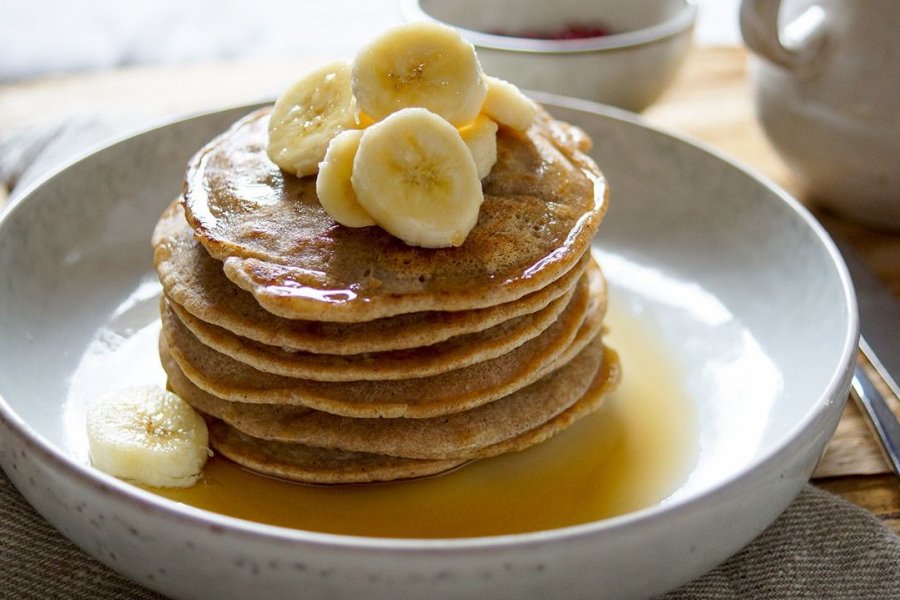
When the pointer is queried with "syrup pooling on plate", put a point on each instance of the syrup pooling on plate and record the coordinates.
(632, 453)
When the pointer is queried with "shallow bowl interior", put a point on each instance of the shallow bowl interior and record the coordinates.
(733, 277)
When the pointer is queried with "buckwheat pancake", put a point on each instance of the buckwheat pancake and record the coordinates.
(543, 202)
(311, 464)
(455, 353)
(462, 435)
(195, 281)
(604, 382)
(308, 464)
(442, 394)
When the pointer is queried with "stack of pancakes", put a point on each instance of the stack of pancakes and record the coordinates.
(326, 354)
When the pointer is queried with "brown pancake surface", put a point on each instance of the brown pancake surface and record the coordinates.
(311, 464)
(195, 281)
(421, 397)
(455, 353)
(308, 464)
(543, 202)
(461, 435)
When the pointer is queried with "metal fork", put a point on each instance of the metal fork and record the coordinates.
(867, 396)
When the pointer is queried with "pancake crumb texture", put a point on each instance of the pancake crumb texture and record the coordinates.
(322, 344)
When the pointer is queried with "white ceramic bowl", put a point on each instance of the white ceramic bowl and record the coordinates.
(628, 68)
(732, 275)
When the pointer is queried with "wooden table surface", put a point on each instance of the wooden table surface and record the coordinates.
(711, 100)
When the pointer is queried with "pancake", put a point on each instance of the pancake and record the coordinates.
(605, 381)
(466, 434)
(195, 281)
(308, 464)
(543, 202)
(442, 394)
(455, 353)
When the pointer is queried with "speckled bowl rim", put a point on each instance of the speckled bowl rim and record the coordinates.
(811, 424)
(680, 24)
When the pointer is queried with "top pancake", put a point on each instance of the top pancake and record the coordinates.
(194, 280)
(543, 202)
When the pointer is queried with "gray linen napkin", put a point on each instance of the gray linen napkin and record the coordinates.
(822, 547)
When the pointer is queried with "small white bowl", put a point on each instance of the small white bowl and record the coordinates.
(629, 67)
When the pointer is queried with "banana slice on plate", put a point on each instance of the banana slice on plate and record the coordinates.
(419, 64)
(149, 436)
(307, 115)
(415, 176)
(481, 137)
(506, 104)
(333, 185)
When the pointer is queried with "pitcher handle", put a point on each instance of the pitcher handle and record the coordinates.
(796, 46)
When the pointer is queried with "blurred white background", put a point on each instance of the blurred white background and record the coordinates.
(40, 37)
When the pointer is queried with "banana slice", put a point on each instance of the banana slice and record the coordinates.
(507, 104)
(481, 138)
(333, 182)
(420, 64)
(417, 178)
(149, 436)
(308, 115)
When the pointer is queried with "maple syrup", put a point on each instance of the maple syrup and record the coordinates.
(630, 454)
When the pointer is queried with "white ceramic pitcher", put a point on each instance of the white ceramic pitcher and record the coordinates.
(827, 80)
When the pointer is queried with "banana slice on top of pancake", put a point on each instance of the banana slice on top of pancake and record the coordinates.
(507, 104)
(416, 177)
(481, 137)
(419, 64)
(308, 115)
(333, 185)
